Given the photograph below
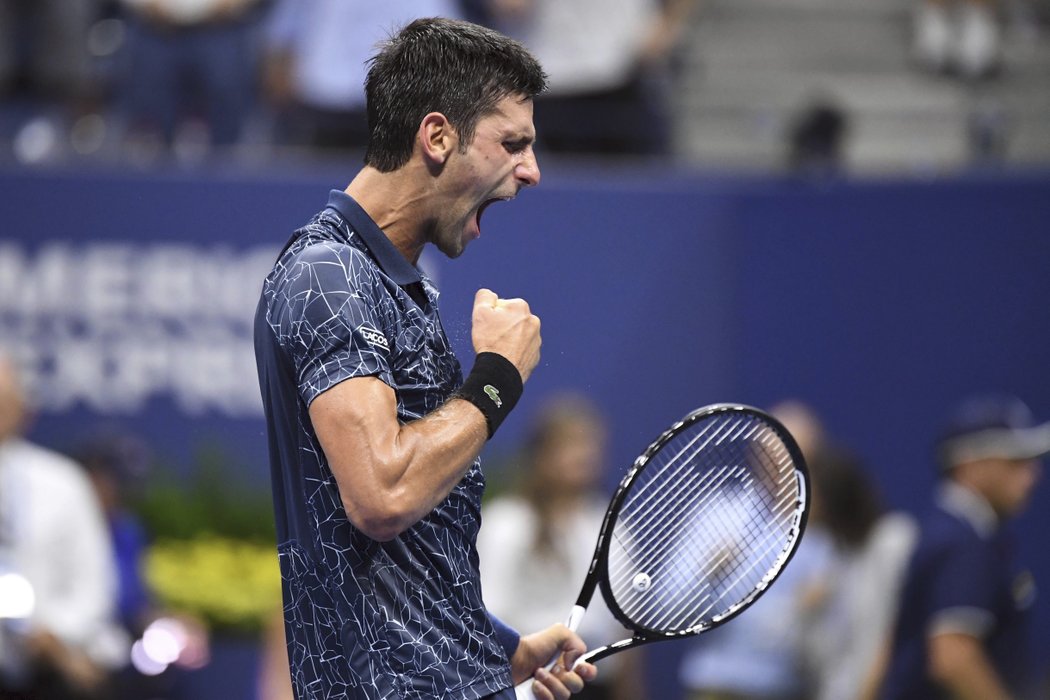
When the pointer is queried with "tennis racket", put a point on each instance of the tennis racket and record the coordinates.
(704, 521)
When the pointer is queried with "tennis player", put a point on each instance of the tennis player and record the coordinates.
(374, 435)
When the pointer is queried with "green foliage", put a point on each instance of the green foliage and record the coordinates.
(231, 585)
(214, 553)
(211, 501)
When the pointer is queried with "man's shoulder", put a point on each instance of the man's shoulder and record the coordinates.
(317, 261)
(942, 532)
(323, 242)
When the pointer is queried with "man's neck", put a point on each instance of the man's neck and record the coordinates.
(394, 201)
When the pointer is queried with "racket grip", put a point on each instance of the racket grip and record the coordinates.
(523, 690)
(575, 616)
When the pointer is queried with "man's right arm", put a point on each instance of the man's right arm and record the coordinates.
(391, 475)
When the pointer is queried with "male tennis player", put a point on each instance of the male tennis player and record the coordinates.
(374, 434)
(961, 626)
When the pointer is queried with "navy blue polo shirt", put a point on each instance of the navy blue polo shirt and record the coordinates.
(367, 619)
(962, 578)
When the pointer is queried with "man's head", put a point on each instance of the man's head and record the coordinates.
(456, 68)
(992, 444)
(12, 400)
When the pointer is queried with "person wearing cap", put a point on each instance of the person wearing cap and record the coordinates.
(960, 629)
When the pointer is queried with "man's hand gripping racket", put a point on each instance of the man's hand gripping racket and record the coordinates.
(703, 522)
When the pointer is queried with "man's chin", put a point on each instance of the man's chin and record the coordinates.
(452, 249)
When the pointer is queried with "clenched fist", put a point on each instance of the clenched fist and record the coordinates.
(506, 327)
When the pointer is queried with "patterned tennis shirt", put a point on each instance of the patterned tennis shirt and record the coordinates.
(365, 619)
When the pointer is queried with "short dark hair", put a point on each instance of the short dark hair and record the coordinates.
(441, 65)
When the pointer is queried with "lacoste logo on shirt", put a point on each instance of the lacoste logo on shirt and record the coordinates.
(373, 337)
(493, 393)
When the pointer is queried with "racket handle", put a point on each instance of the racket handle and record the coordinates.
(575, 616)
(523, 690)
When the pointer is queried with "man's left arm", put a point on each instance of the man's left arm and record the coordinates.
(958, 663)
(963, 595)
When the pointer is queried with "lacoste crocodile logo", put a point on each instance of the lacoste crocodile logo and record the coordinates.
(493, 393)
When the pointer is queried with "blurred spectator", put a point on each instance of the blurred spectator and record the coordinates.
(315, 55)
(609, 68)
(961, 629)
(189, 74)
(535, 546)
(760, 655)
(58, 568)
(116, 465)
(961, 36)
(988, 132)
(817, 138)
(803, 424)
(46, 75)
(872, 548)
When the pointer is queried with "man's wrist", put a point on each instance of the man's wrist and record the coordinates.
(494, 385)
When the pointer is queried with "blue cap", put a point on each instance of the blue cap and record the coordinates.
(985, 427)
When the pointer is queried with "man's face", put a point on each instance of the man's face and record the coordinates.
(493, 167)
(1009, 482)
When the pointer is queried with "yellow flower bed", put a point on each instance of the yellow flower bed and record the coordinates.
(229, 584)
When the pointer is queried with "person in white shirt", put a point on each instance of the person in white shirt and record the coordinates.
(315, 57)
(536, 544)
(610, 70)
(58, 638)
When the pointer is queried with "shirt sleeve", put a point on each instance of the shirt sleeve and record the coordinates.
(331, 313)
(963, 591)
(507, 637)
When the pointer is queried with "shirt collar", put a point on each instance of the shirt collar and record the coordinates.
(389, 258)
(968, 505)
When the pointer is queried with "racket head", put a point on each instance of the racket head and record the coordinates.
(703, 523)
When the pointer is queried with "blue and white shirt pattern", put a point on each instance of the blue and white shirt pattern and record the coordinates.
(367, 620)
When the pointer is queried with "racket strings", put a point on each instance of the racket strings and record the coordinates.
(699, 590)
(706, 488)
(669, 525)
(669, 482)
(635, 558)
(718, 574)
(711, 518)
(727, 568)
(692, 605)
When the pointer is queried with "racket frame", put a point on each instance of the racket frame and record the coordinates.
(598, 575)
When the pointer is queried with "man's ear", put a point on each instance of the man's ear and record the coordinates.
(437, 138)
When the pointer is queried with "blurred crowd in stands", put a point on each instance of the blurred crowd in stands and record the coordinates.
(144, 81)
(141, 80)
(77, 618)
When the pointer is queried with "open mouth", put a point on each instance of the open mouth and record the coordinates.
(485, 205)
